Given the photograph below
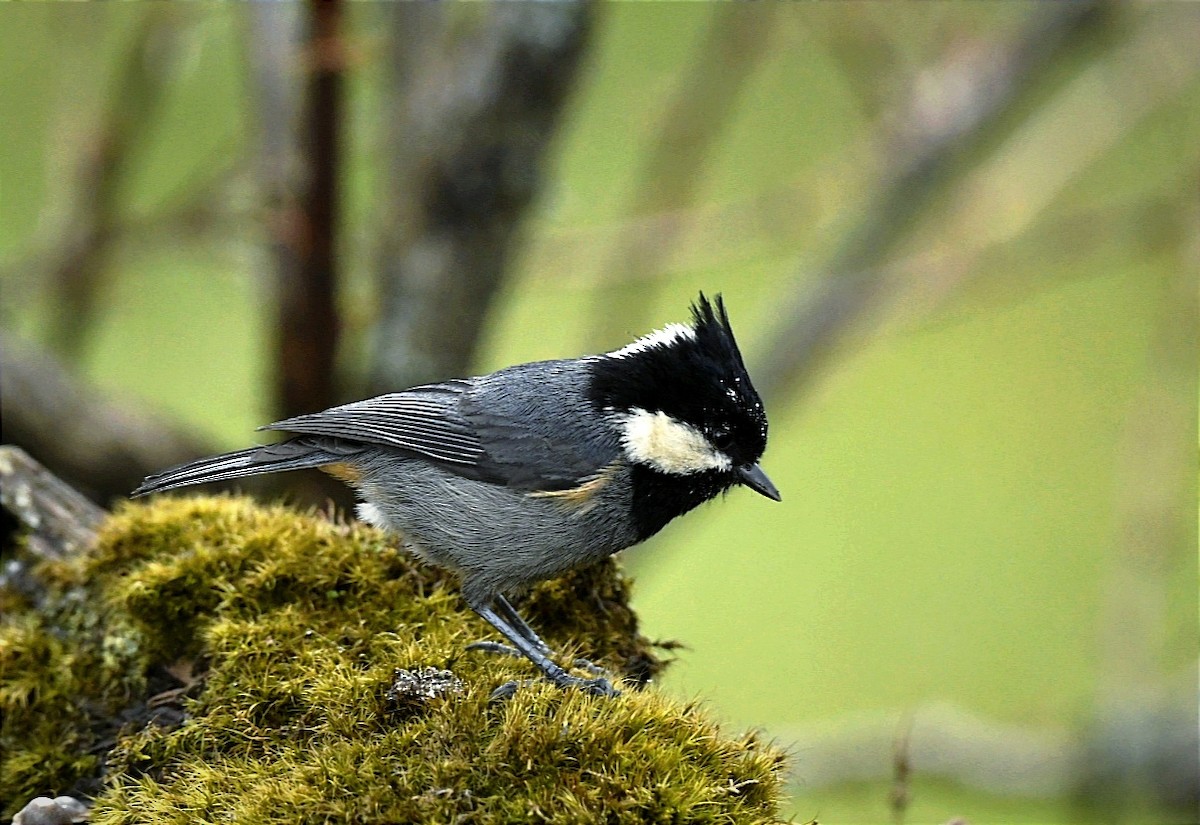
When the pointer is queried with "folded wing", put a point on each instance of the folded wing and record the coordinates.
(423, 420)
(527, 427)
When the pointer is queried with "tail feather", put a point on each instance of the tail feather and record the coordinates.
(297, 454)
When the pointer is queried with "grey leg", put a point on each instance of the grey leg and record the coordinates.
(505, 609)
(509, 613)
(534, 649)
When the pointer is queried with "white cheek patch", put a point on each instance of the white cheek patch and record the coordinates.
(668, 445)
(659, 338)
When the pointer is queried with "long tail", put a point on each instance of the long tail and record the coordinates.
(296, 454)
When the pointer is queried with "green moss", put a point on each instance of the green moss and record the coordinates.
(248, 656)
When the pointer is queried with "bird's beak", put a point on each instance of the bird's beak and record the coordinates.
(754, 478)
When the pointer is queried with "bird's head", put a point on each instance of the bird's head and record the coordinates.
(683, 403)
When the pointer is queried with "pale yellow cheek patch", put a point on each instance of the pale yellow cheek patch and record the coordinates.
(668, 445)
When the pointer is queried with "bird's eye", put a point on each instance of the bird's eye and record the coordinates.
(721, 437)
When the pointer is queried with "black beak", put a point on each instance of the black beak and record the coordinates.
(754, 478)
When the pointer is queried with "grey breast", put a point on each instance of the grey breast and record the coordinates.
(497, 538)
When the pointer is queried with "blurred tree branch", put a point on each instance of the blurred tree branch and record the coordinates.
(305, 226)
(77, 269)
(1145, 729)
(473, 147)
(102, 448)
(1002, 224)
(59, 519)
(473, 123)
(1143, 736)
(942, 138)
(698, 113)
(1151, 741)
(298, 58)
(273, 31)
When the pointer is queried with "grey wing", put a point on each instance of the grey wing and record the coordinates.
(423, 420)
(538, 428)
(528, 427)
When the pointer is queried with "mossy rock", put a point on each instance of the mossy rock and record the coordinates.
(214, 660)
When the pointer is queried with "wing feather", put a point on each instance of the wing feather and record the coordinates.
(424, 420)
(528, 427)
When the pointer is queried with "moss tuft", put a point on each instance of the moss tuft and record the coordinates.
(219, 660)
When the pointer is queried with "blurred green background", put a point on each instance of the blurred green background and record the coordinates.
(985, 562)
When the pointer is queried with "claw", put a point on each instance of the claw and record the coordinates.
(590, 667)
(596, 687)
(489, 646)
(599, 686)
(496, 647)
(503, 693)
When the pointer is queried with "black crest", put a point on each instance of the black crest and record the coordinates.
(699, 379)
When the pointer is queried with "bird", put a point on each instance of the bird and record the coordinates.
(523, 474)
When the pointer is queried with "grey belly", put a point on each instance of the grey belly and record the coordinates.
(497, 539)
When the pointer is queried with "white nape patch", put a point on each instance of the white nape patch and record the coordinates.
(659, 338)
(372, 515)
(667, 444)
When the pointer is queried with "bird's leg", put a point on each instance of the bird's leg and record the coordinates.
(510, 614)
(505, 609)
(533, 648)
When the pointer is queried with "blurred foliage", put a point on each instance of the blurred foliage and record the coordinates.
(990, 491)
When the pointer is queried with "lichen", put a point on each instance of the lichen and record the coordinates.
(214, 659)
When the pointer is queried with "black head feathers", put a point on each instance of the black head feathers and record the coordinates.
(713, 332)
(694, 374)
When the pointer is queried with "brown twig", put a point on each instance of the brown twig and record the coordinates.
(308, 326)
(900, 796)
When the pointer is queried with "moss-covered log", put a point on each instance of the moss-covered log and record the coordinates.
(212, 659)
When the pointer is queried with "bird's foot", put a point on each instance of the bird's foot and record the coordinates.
(508, 650)
(596, 687)
(505, 692)
(590, 667)
(496, 647)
